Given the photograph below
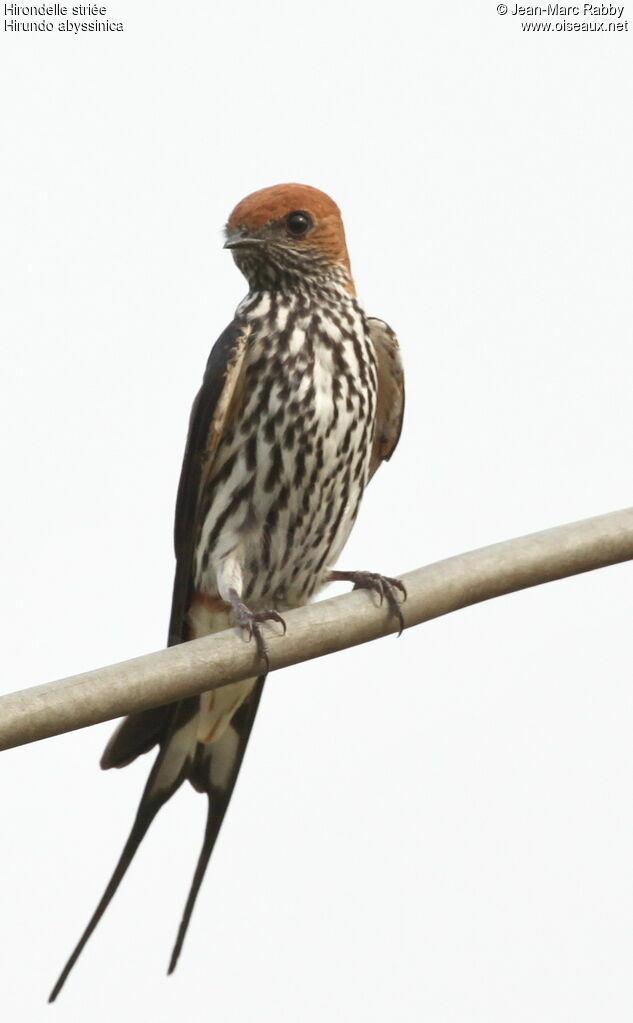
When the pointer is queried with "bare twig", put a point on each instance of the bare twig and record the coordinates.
(313, 631)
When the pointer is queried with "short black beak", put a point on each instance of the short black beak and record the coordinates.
(235, 240)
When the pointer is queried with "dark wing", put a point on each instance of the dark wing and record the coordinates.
(212, 405)
(174, 727)
(390, 398)
(211, 411)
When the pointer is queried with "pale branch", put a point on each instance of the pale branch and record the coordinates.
(313, 631)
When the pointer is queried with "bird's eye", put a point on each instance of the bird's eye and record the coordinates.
(298, 223)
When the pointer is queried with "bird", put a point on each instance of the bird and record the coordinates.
(302, 400)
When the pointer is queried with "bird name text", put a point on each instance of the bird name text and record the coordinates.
(59, 18)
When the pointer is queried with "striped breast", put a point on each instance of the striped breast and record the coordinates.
(290, 472)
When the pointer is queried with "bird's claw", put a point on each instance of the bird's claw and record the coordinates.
(251, 621)
(386, 588)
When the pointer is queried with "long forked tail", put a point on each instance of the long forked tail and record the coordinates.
(168, 773)
(137, 834)
(215, 772)
(211, 766)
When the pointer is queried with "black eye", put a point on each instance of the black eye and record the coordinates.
(298, 222)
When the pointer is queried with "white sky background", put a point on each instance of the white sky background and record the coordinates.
(438, 828)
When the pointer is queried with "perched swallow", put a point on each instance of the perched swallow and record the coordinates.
(301, 401)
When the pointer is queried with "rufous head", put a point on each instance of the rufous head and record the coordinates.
(289, 233)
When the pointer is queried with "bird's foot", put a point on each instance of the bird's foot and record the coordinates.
(386, 588)
(251, 622)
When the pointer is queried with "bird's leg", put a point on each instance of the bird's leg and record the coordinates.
(386, 588)
(251, 621)
(230, 586)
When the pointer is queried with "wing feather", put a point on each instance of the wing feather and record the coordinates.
(390, 398)
(212, 413)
